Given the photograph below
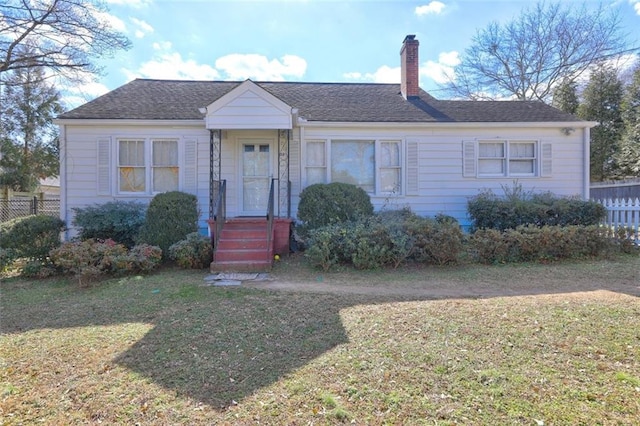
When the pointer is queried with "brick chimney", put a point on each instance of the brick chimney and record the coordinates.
(409, 67)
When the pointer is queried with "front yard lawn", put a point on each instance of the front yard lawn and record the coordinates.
(535, 344)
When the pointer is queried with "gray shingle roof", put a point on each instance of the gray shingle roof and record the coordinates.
(345, 102)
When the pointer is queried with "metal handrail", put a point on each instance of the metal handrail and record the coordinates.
(220, 209)
(270, 215)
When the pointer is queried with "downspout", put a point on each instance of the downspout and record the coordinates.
(210, 173)
(587, 163)
(63, 180)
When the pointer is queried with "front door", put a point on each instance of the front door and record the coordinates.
(256, 175)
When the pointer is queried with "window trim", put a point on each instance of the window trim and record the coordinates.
(148, 143)
(507, 158)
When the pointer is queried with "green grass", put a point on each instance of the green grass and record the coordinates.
(163, 349)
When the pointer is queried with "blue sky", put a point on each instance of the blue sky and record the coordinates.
(300, 40)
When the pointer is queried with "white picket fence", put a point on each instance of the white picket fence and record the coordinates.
(623, 212)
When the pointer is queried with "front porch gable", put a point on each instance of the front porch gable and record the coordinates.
(248, 106)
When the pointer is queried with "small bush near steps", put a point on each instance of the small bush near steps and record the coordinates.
(326, 204)
(171, 216)
(90, 259)
(194, 252)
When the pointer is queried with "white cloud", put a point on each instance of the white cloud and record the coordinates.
(636, 5)
(242, 66)
(172, 66)
(384, 74)
(143, 28)
(441, 71)
(78, 94)
(435, 7)
(113, 21)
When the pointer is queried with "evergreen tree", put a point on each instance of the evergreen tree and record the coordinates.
(628, 156)
(565, 97)
(28, 138)
(601, 103)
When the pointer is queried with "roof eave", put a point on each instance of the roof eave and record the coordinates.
(456, 124)
(127, 122)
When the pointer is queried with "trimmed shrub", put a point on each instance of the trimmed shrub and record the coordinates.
(171, 216)
(31, 237)
(518, 208)
(386, 239)
(539, 244)
(89, 259)
(7, 257)
(194, 252)
(119, 221)
(435, 241)
(326, 204)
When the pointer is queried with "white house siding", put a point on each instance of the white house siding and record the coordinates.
(441, 185)
(80, 162)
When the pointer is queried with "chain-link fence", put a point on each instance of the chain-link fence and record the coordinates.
(19, 207)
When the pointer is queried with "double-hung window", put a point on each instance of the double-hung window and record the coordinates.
(147, 165)
(373, 165)
(507, 158)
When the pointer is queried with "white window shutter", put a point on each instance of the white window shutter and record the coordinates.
(190, 166)
(546, 163)
(103, 174)
(413, 169)
(469, 159)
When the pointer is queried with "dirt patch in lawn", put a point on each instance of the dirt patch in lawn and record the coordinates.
(457, 282)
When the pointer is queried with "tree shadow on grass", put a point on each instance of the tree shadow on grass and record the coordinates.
(217, 345)
(224, 352)
(214, 345)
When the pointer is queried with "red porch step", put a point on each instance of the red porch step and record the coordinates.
(242, 247)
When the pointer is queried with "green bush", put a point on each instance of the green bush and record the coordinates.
(386, 239)
(116, 220)
(516, 208)
(31, 237)
(194, 252)
(171, 216)
(435, 241)
(326, 204)
(539, 244)
(7, 257)
(89, 259)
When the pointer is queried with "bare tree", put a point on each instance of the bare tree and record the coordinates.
(64, 36)
(527, 57)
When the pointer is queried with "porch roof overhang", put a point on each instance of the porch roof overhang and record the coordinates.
(249, 107)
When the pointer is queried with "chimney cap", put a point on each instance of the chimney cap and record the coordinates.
(410, 37)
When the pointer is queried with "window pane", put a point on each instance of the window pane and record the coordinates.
(353, 162)
(522, 150)
(131, 153)
(316, 175)
(255, 162)
(495, 150)
(390, 155)
(521, 166)
(390, 180)
(315, 154)
(491, 167)
(132, 179)
(165, 179)
(165, 153)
